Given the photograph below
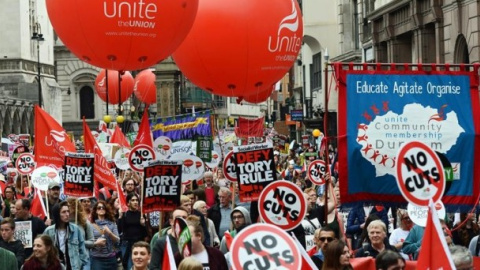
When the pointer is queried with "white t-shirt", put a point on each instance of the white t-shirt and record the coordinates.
(203, 258)
(61, 239)
(399, 235)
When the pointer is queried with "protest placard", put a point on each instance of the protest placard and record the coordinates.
(255, 169)
(162, 185)
(78, 174)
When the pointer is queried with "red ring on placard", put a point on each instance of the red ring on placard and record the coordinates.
(401, 182)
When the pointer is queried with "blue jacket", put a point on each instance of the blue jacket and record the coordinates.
(76, 245)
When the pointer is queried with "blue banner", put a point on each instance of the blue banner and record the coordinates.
(381, 112)
(184, 127)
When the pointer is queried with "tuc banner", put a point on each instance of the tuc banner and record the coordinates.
(162, 185)
(78, 173)
(383, 107)
(182, 128)
(255, 169)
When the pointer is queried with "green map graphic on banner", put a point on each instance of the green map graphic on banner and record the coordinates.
(204, 148)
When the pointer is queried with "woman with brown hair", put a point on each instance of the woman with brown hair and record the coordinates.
(103, 255)
(10, 196)
(465, 229)
(79, 218)
(44, 255)
(337, 256)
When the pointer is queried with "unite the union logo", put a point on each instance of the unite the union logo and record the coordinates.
(287, 41)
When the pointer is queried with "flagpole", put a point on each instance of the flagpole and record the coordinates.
(46, 205)
(141, 198)
(325, 134)
(76, 211)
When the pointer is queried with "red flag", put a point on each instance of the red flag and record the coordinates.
(168, 259)
(249, 127)
(101, 170)
(51, 140)
(38, 207)
(144, 135)
(228, 239)
(434, 253)
(121, 198)
(119, 137)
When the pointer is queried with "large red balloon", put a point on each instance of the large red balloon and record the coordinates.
(237, 47)
(123, 34)
(145, 89)
(126, 86)
(260, 96)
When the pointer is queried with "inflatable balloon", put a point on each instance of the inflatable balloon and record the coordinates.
(238, 47)
(260, 96)
(145, 89)
(123, 34)
(101, 86)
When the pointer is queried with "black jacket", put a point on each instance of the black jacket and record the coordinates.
(216, 216)
(16, 247)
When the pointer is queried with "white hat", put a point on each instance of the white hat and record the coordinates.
(276, 153)
(2, 177)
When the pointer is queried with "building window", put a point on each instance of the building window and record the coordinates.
(220, 102)
(316, 72)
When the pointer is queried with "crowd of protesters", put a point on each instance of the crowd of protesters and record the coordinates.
(94, 233)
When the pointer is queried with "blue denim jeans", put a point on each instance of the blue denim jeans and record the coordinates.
(99, 263)
(126, 248)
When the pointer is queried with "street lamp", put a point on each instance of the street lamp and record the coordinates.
(39, 38)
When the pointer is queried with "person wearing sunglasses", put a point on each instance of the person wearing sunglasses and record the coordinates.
(325, 236)
(398, 236)
(103, 254)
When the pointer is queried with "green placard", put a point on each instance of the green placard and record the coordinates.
(204, 148)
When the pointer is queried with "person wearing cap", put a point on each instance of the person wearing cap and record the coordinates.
(53, 195)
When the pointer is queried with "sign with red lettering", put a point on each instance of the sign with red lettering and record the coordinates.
(255, 169)
(193, 167)
(140, 156)
(265, 246)
(78, 174)
(283, 204)
(162, 185)
(42, 176)
(420, 174)
(316, 172)
(25, 163)
(229, 167)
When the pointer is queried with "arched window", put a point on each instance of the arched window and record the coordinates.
(461, 51)
(87, 103)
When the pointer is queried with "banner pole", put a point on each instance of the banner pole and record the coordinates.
(141, 194)
(325, 126)
(76, 211)
(46, 205)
